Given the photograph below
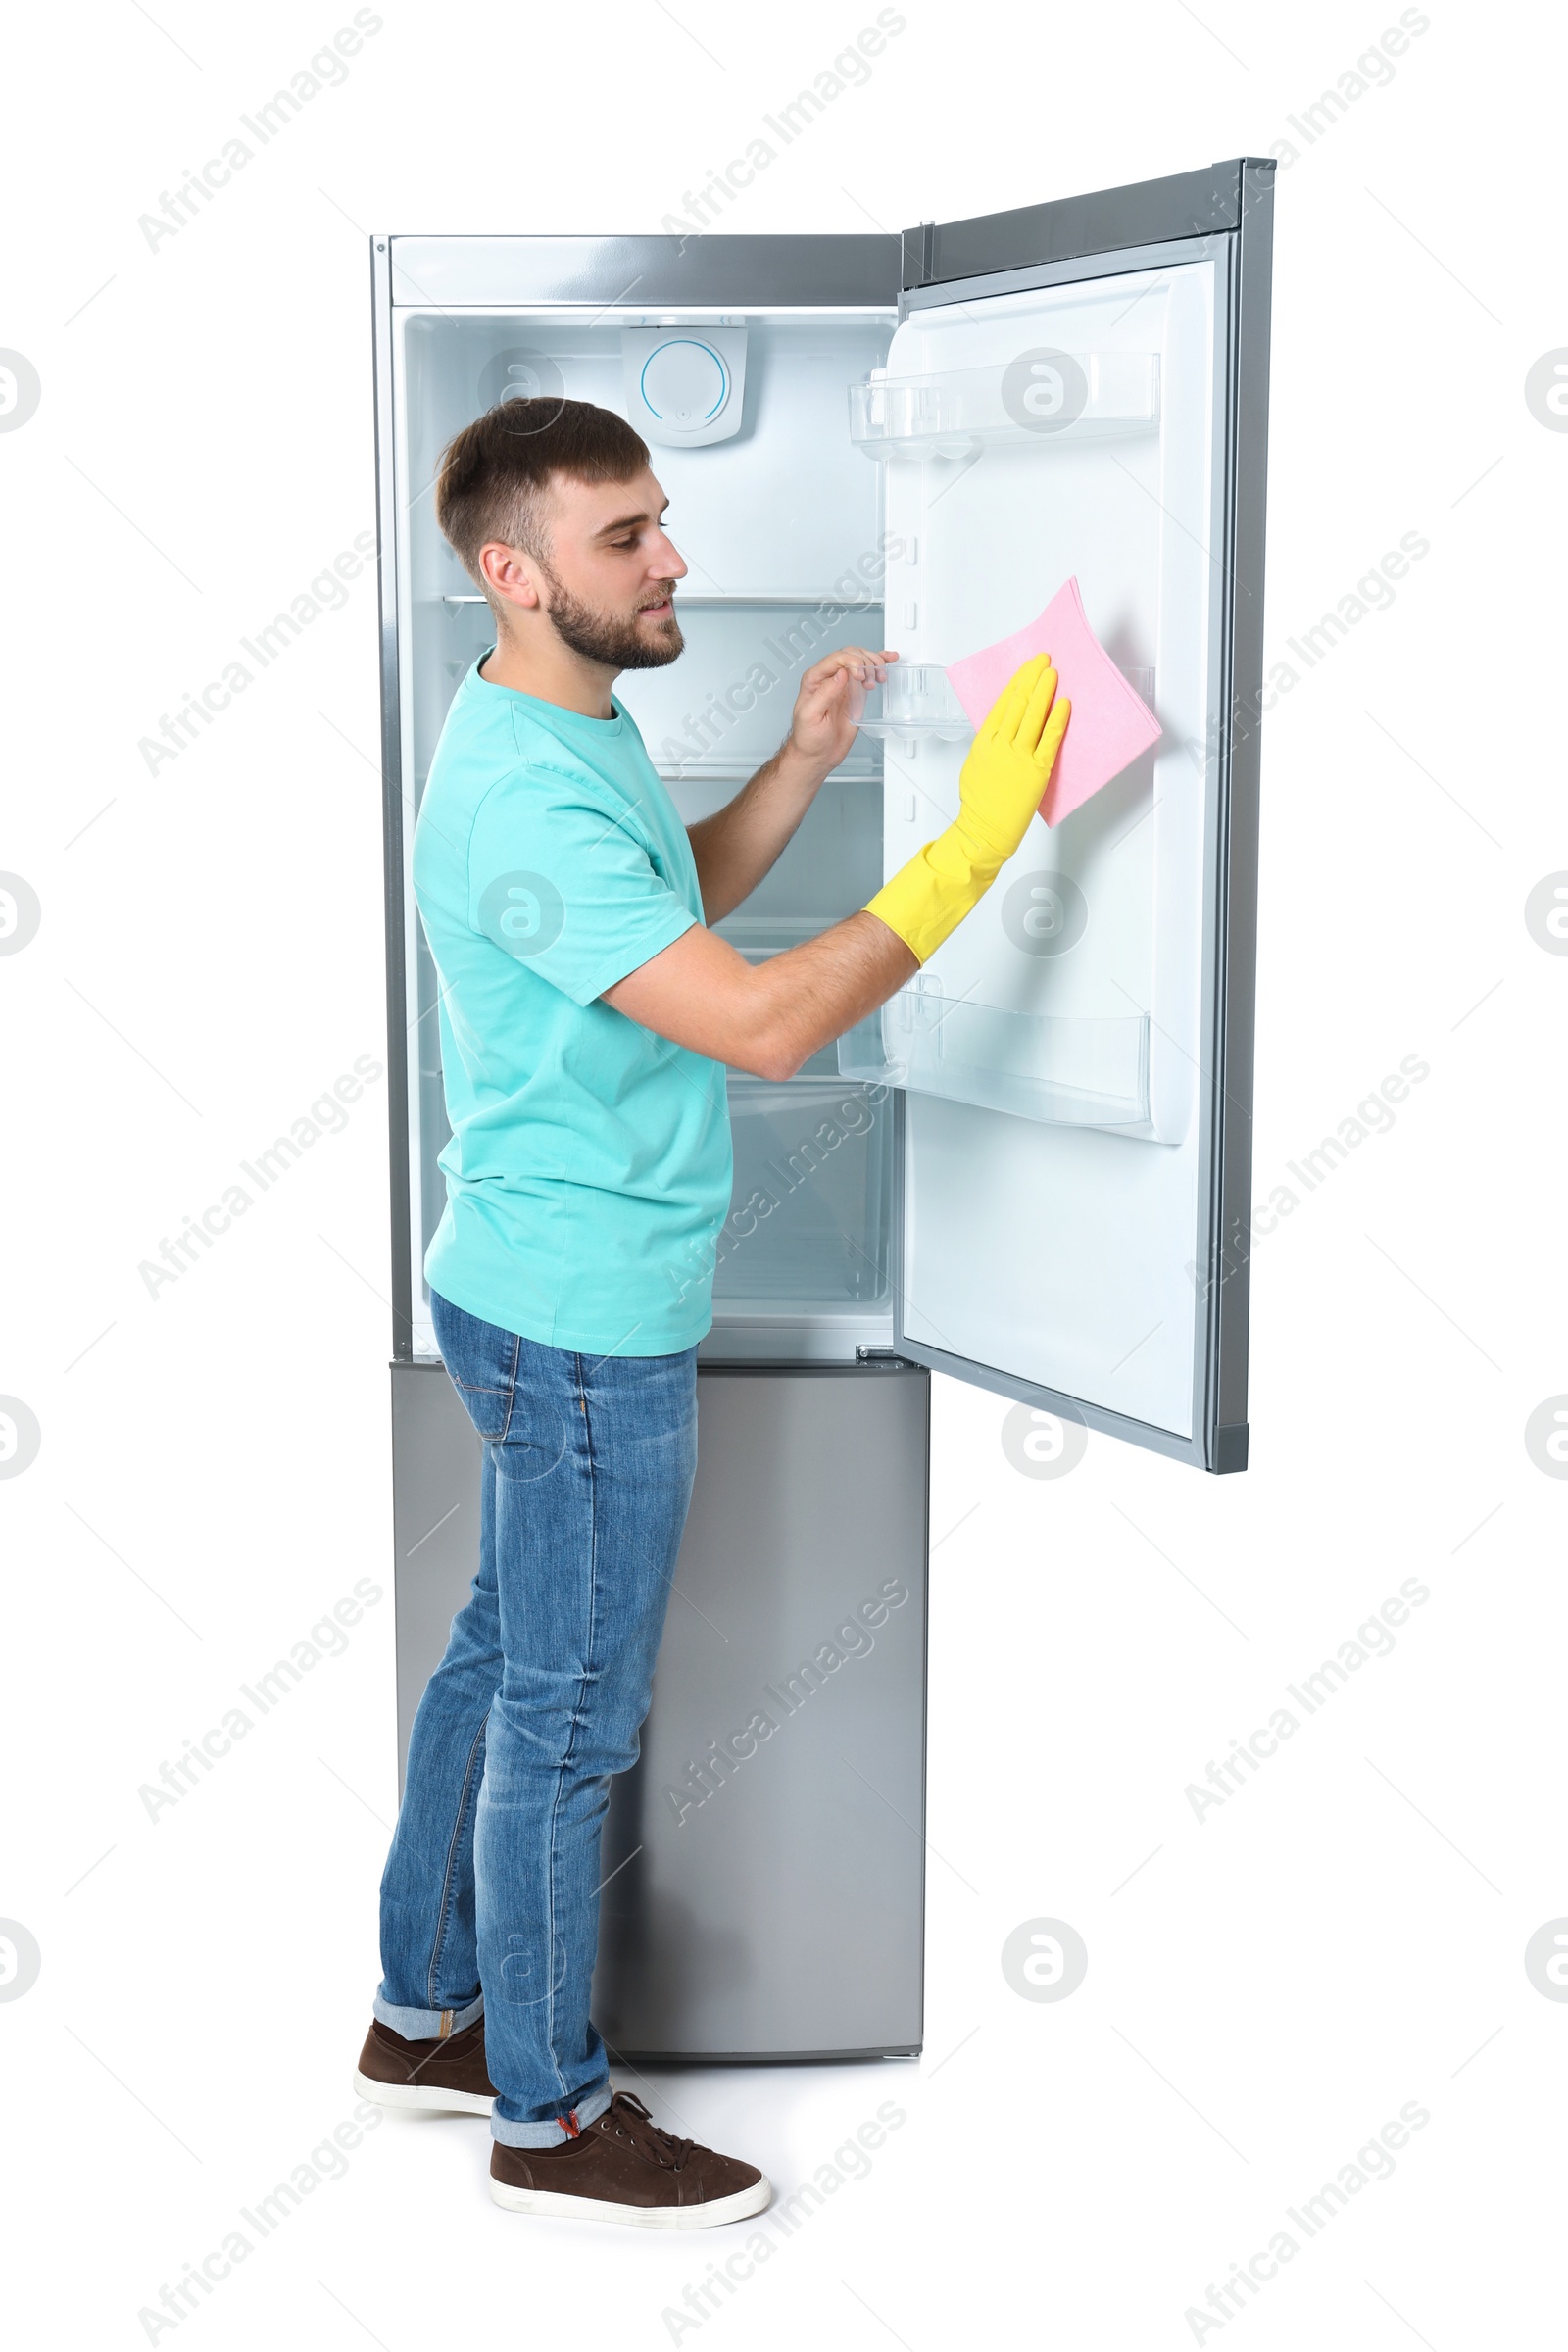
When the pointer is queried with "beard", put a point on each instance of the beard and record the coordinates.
(612, 638)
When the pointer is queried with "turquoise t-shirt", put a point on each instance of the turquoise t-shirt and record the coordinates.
(588, 1171)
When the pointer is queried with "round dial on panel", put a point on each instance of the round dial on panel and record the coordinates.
(685, 383)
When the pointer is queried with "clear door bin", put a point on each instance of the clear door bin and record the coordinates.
(1041, 400)
(1057, 1068)
(917, 698)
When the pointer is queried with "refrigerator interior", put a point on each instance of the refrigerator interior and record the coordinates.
(781, 529)
(1051, 1050)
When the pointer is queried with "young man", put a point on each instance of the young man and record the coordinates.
(587, 1014)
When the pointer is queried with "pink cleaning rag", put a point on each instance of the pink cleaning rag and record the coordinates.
(1110, 724)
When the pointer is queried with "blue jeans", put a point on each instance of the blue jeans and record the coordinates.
(490, 1897)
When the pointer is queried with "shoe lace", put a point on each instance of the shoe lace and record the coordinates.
(628, 2118)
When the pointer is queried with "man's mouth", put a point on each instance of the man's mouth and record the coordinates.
(662, 611)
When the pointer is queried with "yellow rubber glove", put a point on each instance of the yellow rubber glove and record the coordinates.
(1001, 785)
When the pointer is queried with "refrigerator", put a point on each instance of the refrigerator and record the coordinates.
(1030, 1170)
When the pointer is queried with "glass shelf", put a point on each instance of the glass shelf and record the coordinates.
(1059, 1068)
(1095, 395)
(760, 936)
(778, 596)
(859, 767)
(917, 700)
(740, 596)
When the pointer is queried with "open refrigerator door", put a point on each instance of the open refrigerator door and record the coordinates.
(1075, 1060)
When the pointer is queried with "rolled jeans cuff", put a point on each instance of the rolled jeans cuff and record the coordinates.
(550, 2135)
(426, 2025)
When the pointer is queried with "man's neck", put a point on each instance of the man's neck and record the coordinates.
(553, 672)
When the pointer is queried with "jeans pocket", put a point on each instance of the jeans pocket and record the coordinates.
(481, 1362)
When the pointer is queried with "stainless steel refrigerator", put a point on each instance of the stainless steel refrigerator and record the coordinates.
(1031, 1170)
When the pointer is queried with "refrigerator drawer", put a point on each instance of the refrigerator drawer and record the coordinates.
(810, 1212)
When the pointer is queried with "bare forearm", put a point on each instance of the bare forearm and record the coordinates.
(812, 993)
(736, 846)
(770, 1018)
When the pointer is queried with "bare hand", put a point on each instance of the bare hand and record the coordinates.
(822, 728)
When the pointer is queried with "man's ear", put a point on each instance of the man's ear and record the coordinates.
(510, 575)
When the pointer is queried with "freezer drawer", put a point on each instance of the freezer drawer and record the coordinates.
(764, 1860)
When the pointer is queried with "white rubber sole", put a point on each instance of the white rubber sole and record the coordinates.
(640, 2217)
(418, 2098)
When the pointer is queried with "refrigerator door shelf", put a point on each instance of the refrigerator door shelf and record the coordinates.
(1040, 397)
(918, 700)
(1058, 1069)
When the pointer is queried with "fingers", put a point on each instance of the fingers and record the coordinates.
(1041, 693)
(1055, 727)
(1007, 710)
(867, 667)
(1001, 719)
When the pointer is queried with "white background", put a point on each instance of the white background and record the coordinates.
(1346, 1932)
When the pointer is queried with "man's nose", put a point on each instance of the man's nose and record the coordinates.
(666, 564)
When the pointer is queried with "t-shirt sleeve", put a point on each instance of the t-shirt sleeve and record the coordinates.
(564, 884)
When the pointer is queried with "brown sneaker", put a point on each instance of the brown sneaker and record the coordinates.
(623, 2167)
(427, 2078)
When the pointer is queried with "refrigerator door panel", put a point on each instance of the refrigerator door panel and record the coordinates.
(1077, 1056)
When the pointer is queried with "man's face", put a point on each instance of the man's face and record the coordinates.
(608, 583)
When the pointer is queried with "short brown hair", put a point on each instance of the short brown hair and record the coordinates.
(494, 472)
